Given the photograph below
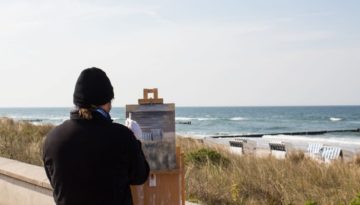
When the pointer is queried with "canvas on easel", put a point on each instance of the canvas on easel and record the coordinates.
(157, 123)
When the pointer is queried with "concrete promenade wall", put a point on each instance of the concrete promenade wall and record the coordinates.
(22, 183)
(26, 184)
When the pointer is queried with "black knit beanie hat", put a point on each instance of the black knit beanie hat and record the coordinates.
(93, 87)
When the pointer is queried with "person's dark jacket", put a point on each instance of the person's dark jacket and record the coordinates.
(93, 162)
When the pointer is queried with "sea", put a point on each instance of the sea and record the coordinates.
(200, 122)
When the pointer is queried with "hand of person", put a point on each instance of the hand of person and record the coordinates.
(134, 127)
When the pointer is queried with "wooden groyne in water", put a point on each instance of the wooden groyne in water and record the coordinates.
(289, 133)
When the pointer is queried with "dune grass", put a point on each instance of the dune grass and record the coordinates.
(254, 180)
(22, 140)
(214, 176)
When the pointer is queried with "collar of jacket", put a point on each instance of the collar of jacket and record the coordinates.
(74, 115)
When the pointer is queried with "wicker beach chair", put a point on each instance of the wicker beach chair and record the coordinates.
(279, 146)
(236, 147)
(277, 150)
(242, 146)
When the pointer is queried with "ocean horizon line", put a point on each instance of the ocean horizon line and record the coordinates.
(193, 106)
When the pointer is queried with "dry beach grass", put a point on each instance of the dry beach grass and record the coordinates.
(214, 176)
(254, 180)
(22, 140)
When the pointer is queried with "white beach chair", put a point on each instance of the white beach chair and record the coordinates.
(314, 150)
(329, 153)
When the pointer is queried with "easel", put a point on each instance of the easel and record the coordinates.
(169, 189)
(164, 186)
(151, 100)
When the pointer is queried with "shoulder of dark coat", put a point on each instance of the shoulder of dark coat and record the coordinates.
(122, 128)
(69, 126)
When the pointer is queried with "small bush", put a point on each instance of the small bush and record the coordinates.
(356, 201)
(311, 202)
(204, 156)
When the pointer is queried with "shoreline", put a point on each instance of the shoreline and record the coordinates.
(350, 145)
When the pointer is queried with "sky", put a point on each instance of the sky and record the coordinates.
(196, 52)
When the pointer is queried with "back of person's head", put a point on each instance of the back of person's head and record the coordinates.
(93, 88)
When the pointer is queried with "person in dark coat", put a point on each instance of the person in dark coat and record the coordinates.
(88, 159)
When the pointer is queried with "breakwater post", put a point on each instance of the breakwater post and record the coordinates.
(289, 133)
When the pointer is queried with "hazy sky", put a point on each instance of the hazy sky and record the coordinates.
(197, 52)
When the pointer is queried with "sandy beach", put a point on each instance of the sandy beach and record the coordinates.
(349, 149)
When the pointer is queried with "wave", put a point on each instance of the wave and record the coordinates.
(276, 128)
(222, 133)
(206, 118)
(31, 120)
(184, 118)
(193, 118)
(39, 120)
(237, 118)
(57, 118)
(335, 119)
(209, 118)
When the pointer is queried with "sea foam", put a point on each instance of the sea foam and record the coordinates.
(335, 119)
(194, 118)
(237, 118)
